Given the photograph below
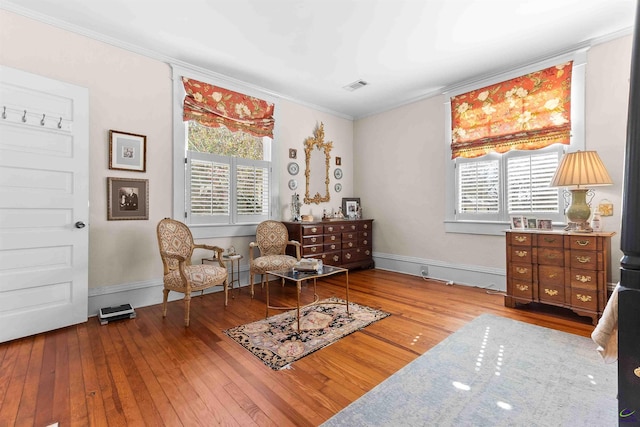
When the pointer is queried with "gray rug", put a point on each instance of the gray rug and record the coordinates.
(495, 372)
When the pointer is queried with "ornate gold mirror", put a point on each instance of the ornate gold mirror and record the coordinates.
(318, 157)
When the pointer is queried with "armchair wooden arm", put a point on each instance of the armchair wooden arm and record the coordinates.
(216, 249)
(297, 245)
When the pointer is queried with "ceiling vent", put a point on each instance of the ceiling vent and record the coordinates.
(355, 85)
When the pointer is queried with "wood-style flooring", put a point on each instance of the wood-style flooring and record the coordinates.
(154, 371)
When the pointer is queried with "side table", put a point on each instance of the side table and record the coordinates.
(234, 263)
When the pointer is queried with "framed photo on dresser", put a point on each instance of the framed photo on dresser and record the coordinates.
(518, 222)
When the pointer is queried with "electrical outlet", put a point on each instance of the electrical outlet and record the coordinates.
(424, 270)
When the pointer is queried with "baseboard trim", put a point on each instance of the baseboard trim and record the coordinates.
(460, 274)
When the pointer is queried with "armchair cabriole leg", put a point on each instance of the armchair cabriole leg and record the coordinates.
(187, 308)
(164, 302)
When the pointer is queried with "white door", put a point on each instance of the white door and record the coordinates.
(44, 204)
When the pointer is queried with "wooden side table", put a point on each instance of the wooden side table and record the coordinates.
(233, 262)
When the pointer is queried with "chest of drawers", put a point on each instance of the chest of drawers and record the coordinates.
(346, 244)
(559, 268)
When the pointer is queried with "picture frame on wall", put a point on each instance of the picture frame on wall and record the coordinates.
(127, 199)
(127, 151)
(350, 207)
(518, 222)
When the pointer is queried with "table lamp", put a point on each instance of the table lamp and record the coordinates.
(577, 170)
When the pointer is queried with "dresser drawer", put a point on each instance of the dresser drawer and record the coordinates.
(350, 244)
(335, 246)
(365, 226)
(308, 230)
(519, 254)
(520, 239)
(551, 256)
(312, 240)
(551, 275)
(350, 235)
(523, 290)
(333, 228)
(584, 260)
(364, 239)
(312, 250)
(584, 298)
(522, 272)
(587, 279)
(587, 243)
(355, 254)
(551, 294)
(550, 241)
(331, 258)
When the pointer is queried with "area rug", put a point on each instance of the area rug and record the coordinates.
(277, 342)
(495, 372)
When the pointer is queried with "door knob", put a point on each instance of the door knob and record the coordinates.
(80, 224)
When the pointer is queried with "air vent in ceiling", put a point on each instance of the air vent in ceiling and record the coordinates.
(355, 85)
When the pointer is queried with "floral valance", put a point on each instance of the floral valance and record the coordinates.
(214, 106)
(526, 113)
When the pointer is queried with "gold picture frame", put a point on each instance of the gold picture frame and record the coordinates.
(127, 151)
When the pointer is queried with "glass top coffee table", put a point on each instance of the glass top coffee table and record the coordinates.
(301, 276)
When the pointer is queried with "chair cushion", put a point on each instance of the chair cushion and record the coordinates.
(200, 276)
(265, 263)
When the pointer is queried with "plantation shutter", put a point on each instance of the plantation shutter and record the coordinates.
(528, 179)
(210, 182)
(478, 187)
(252, 190)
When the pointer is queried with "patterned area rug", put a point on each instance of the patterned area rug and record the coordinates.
(276, 341)
(495, 372)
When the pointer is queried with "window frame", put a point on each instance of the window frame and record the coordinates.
(496, 226)
(179, 161)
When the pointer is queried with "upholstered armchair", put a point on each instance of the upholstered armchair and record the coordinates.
(176, 248)
(272, 239)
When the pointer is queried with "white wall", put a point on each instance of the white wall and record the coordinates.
(399, 162)
(133, 93)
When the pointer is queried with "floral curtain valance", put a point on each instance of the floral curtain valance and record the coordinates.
(214, 106)
(526, 113)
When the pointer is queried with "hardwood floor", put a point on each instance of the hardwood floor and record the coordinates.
(154, 371)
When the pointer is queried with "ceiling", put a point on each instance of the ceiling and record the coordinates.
(308, 50)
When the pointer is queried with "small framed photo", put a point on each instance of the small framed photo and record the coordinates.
(350, 207)
(518, 222)
(127, 151)
(545, 224)
(127, 198)
(338, 161)
(532, 223)
(293, 153)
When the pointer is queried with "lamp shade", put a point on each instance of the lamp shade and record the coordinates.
(579, 169)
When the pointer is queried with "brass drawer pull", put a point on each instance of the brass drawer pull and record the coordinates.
(350, 244)
(549, 239)
(365, 242)
(522, 288)
(583, 279)
(368, 252)
(330, 229)
(365, 234)
(333, 237)
(582, 242)
(521, 254)
(314, 230)
(313, 249)
(314, 239)
(347, 255)
(365, 226)
(551, 292)
(553, 275)
(522, 270)
(583, 259)
(333, 246)
(336, 258)
(583, 298)
(520, 239)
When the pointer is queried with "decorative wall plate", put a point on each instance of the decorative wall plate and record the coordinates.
(293, 168)
(337, 173)
(293, 184)
(338, 187)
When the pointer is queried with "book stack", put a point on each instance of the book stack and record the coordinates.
(308, 265)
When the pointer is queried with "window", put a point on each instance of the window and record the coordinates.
(223, 184)
(505, 174)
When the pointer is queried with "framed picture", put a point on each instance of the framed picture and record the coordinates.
(518, 222)
(127, 151)
(350, 207)
(532, 223)
(127, 198)
(545, 224)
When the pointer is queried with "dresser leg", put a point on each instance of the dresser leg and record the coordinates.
(509, 302)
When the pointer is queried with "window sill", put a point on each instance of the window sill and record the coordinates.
(490, 228)
(214, 231)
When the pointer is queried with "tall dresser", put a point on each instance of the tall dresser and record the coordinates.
(559, 268)
(344, 243)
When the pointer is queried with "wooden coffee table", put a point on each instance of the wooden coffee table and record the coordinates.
(301, 276)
